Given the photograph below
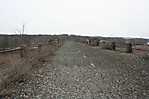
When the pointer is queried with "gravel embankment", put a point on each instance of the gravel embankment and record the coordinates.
(83, 72)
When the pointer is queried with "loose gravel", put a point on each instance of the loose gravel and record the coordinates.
(79, 71)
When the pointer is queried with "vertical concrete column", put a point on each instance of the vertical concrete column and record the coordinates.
(87, 41)
(90, 42)
(23, 52)
(39, 48)
(113, 45)
(98, 41)
(49, 41)
(128, 48)
(58, 42)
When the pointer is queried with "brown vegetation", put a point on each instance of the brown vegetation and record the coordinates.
(18, 61)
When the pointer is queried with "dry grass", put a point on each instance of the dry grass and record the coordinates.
(12, 65)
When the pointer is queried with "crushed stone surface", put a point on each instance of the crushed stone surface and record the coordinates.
(83, 72)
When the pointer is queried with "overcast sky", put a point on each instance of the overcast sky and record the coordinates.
(128, 18)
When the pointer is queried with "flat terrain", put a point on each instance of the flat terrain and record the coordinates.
(78, 71)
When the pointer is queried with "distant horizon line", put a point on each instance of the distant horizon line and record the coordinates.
(125, 37)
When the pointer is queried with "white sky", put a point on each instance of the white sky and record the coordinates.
(128, 18)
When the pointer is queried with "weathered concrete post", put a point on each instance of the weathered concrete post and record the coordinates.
(113, 45)
(58, 42)
(90, 42)
(98, 42)
(128, 48)
(39, 48)
(23, 52)
(49, 41)
(87, 41)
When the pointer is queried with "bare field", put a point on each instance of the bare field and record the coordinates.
(78, 71)
(16, 63)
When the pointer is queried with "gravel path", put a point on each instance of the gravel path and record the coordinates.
(83, 72)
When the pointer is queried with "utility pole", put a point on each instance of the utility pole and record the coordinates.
(22, 33)
(23, 28)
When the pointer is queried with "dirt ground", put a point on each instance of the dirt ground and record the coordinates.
(78, 71)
